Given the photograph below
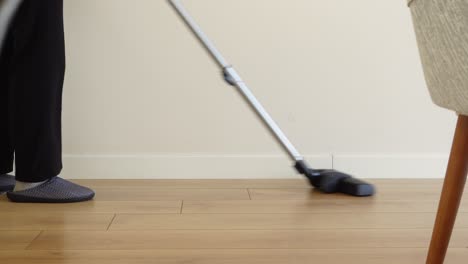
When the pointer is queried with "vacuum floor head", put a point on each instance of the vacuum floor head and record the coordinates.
(332, 181)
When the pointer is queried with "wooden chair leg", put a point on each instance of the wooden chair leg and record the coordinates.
(452, 192)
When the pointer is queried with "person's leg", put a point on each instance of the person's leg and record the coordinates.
(37, 74)
(6, 147)
(7, 182)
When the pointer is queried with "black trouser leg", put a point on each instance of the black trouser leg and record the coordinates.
(36, 72)
(6, 147)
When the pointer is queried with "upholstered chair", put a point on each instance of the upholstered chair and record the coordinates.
(441, 28)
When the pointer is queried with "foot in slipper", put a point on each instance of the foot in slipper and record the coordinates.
(55, 190)
(7, 183)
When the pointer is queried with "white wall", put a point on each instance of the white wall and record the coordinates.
(342, 78)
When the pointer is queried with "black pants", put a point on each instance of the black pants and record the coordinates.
(32, 67)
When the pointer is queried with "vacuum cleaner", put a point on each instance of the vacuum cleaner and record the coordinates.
(325, 180)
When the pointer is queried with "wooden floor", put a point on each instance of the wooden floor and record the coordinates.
(229, 221)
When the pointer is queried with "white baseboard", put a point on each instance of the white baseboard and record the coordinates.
(393, 166)
(248, 166)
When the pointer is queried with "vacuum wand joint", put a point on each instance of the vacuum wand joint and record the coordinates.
(228, 78)
(231, 76)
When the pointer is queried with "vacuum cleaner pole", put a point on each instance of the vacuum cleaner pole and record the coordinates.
(328, 181)
(220, 60)
(233, 78)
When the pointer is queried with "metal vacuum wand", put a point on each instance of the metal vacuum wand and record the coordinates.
(233, 78)
(326, 180)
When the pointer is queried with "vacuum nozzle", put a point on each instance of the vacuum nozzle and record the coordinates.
(332, 181)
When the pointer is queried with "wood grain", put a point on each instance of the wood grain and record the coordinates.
(298, 182)
(10, 240)
(229, 256)
(96, 206)
(404, 193)
(453, 188)
(239, 239)
(278, 221)
(311, 206)
(205, 184)
(54, 221)
(169, 194)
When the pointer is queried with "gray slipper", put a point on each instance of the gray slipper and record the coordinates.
(55, 190)
(7, 183)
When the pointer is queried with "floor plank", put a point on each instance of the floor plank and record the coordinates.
(230, 256)
(154, 194)
(279, 189)
(278, 221)
(54, 221)
(298, 182)
(240, 239)
(170, 194)
(404, 193)
(96, 206)
(198, 184)
(308, 206)
(11, 240)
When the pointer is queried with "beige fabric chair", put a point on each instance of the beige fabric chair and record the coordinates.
(441, 28)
